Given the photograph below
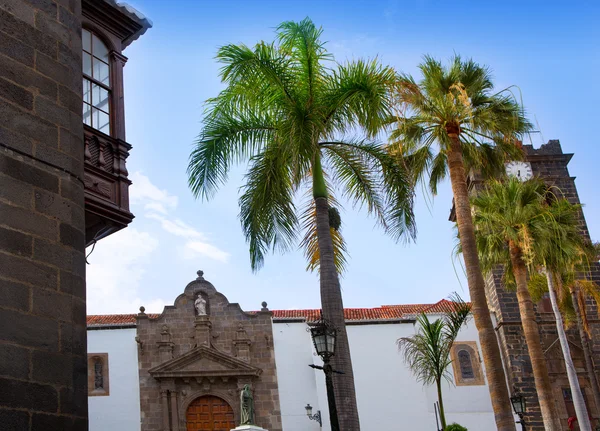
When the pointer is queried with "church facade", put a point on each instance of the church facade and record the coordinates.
(184, 369)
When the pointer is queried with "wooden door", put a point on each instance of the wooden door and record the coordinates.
(209, 413)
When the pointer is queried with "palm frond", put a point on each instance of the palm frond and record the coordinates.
(458, 97)
(267, 211)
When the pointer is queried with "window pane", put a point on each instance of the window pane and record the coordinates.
(86, 91)
(87, 114)
(100, 121)
(466, 367)
(100, 97)
(100, 49)
(87, 64)
(101, 71)
(86, 39)
(98, 375)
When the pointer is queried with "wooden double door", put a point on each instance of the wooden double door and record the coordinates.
(210, 413)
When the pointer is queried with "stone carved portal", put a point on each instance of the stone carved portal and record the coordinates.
(198, 355)
(209, 413)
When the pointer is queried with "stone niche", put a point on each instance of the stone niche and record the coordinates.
(195, 358)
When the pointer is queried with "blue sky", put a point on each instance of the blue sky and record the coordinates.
(550, 49)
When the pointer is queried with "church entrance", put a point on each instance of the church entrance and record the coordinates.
(209, 413)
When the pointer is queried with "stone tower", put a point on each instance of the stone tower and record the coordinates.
(42, 224)
(58, 192)
(550, 164)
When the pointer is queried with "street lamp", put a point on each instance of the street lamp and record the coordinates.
(519, 405)
(324, 334)
(315, 417)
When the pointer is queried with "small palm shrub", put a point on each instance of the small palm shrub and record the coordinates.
(455, 427)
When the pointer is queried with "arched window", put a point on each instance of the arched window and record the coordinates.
(96, 82)
(466, 366)
(98, 378)
(98, 374)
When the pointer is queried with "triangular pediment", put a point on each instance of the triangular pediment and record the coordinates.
(204, 362)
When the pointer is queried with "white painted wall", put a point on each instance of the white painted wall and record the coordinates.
(119, 411)
(296, 380)
(388, 396)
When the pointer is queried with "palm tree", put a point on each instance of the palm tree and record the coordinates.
(427, 353)
(513, 225)
(573, 285)
(449, 122)
(288, 110)
(580, 287)
(561, 245)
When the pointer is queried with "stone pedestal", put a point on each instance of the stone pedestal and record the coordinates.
(203, 327)
(248, 428)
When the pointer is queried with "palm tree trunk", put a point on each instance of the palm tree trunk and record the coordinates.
(481, 313)
(585, 345)
(534, 345)
(438, 384)
(578, 401)
(333, 309)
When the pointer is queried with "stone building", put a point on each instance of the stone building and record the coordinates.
(183, 370)
(198, 355)
(63, 184)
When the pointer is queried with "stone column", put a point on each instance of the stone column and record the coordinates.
(174, 412)
(42, 277)
(165, 346)
(242, 344)
(165, 408)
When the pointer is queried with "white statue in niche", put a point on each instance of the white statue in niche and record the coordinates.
(200, 304)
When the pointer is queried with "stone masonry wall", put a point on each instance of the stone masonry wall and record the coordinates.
(42, 266)
(228, 325)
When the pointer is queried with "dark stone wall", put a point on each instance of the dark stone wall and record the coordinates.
(550, 164)
(42, 266)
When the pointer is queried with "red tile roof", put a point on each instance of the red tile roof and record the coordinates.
(385, 312)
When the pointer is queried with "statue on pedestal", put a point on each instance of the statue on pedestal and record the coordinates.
(200, 305)
(247, 406)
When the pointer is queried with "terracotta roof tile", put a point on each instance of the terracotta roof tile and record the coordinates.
(385, 312)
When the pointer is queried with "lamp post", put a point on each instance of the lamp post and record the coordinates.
(519, 405)
(324, 335)
(315, 417)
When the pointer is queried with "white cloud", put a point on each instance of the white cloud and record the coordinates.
(158, 205)
(143, 191)
(194, 249)
(116, 268)
(177, 227)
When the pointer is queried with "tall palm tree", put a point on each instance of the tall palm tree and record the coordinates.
(573, 285)
(291, 111)
(580, 287)
(427, 353)
(512, 222)
(448, 122)
(560, 246)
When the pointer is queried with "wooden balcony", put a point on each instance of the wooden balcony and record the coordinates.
(106, 185)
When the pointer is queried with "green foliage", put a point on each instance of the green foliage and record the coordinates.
(461, 99)
(288, 109)
(455, 427)
(523, 213)
(427, 353)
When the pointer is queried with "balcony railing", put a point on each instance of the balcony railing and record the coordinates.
(106, 185)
